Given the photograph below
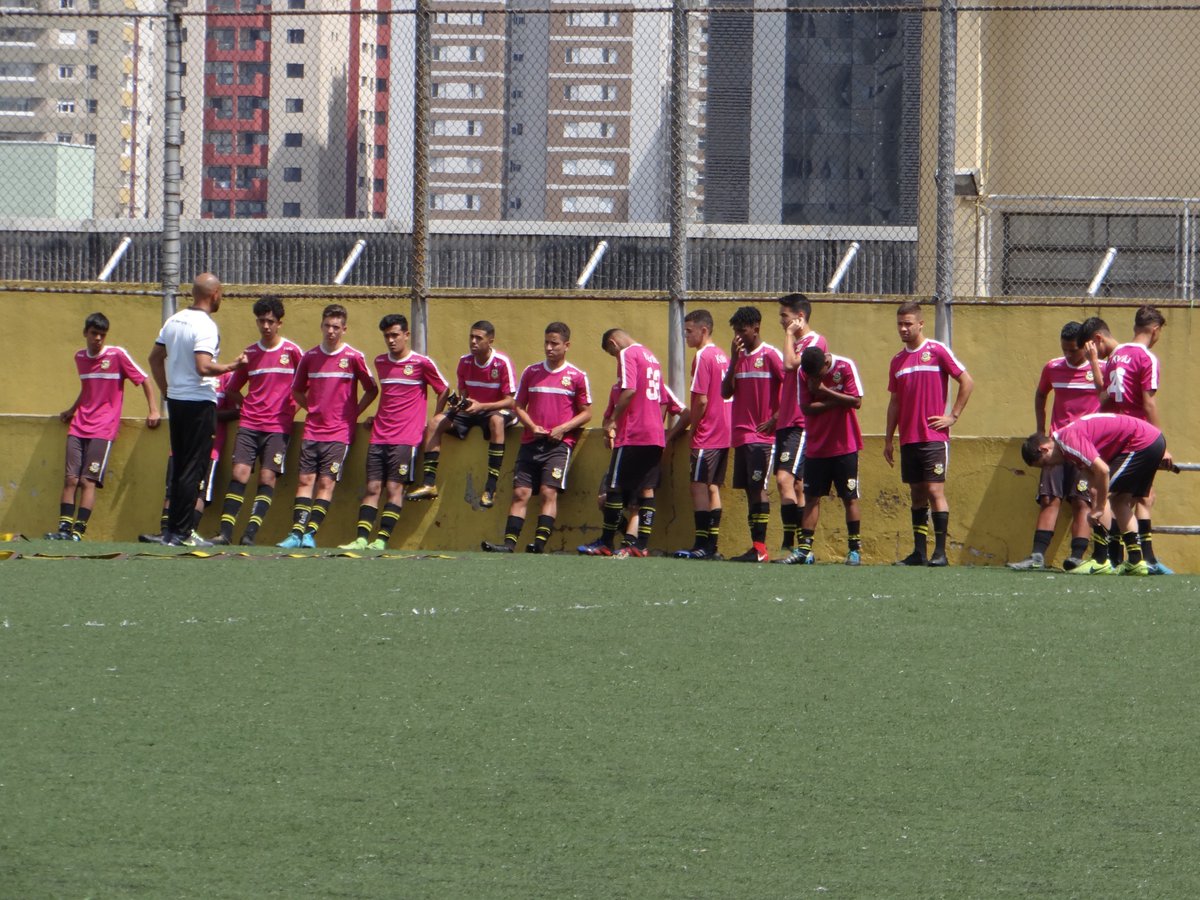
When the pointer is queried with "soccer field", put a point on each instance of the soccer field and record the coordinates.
(570, 727)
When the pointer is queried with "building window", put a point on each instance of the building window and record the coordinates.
(295, 4)
(93, 73)
(223, 38)
(248, 106)
(66, 38)
(90, 139)
(518, 57)
(249, 140)
(593, 19)
(93, 37)
(250, 209)
(91, 106)
(381, 151)
(519, 128)
(377, 185)
(381, 85)
(250, 37)
(602, 168)
(293, 105)
(215, 209)
(294, 70)
(295, 35)
(221, 176)
(454, 202)
(381, 52)
(63, 137)
(66, 72)
(588, 130)
(456, 165)
(65, 106)
(457, 127)
(222, 107)
(291, 210)
(601, 205)
(293, 139)
(516, 93)
(455, 53)
(459, 18)
(247, 175)
(293, 174)
(515, 203)
(221, 72)
(222, 141)
(66, 4)
(590, 56)
(590, 93)
(457, 90)
(380, 117)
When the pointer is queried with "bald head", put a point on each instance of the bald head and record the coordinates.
(206, 292)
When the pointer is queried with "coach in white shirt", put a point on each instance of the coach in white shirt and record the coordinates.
(185, 368)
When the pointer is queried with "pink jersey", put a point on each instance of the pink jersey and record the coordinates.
(268, 405)
(226, 400)
(403, 398)
(920, 379)
(834, 431)
(668, 401)
(790, 414)
(1130, 373)
(330, 382)
(102, 392)
(757, 377)
(1103, 436)
(709, 366)
(641, 424)
(551, 397)
(1074, 391)
(489, 383)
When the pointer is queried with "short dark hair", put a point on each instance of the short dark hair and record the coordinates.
(485, 326)
(745, 315)
(269, 303)
(605, 337)
(1147, 317)
(812, 360)
(797, 303)
(1070, 332)
(909, 307)
(1032, 448)
(335, 311)
(97, 321)
(391, 320)
(559, 328)
(701, 317)
(1089, 328)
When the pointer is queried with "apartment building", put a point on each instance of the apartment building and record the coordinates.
(93, 82)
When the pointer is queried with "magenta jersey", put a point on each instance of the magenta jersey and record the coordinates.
(790, 414)
(920, 379)
(1074, 391)
(268, 404)
(713, 431)
(1130, 373)
(102, 392)
(757, 377)
(331, 382)
(551, 397)
(835, 431)
(489, 383)
(1103, 436)
(641, 424)
(403, 398)
(226, 400)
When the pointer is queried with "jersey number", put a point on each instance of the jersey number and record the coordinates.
(1116, 385)
(653, 383)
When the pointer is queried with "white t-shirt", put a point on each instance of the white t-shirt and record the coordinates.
(188, 332)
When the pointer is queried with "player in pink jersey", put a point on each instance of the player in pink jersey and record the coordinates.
(265, 429)
(633, 429)
(486, 385)
(919, 384)
(1071, 380)
(1129, 386)
(795, 313)
(326, 385)
(830, 396)
(94, 419)
(1122, 455)
(752, 383)
(397, 429)
(708, 418)
(553, 402)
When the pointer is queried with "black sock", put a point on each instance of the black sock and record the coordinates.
(431, 467)
(66, 516)
(760, 517)
(645, 522)
(1133, 550)
(1100, 543)
(1079, 547)
(920, 528)
(197, 515)
(545, 525)
(388, 520)
(614, 505)
(235, 495)
(1116, 549)
(854, 528)
(366, 521)
(941, 525)
(301, 510)
(714, 529)
(806, 539)
(1146, 537)
(320, 509)
(512, 530)
(81, 520)
(789, 516)
(495, 459)
(262, 504)
(1041, 540)
(701, 518)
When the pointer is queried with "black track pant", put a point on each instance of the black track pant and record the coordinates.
(193, 424)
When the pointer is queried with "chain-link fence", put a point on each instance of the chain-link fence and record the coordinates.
(795, 149)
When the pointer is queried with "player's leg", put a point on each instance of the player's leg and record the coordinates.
(306, 483)
(322, 501)
(527, 473)
(819, 479)
(401, 470)
(247, 447)
(1145, 526)
(272, 459)
(547, 514)
(615, 497)
(72, 468)
(714, 515)
(368, 505)
(940, 508)
(433, 452)
(789, 449)
(496, 423)
(86, 503)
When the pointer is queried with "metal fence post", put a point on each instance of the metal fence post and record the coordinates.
(947, 100)
(420, 204)
(170, 260)
(677, 290)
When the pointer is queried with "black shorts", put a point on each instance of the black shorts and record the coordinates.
(396, 463)
(267, 448)
(1063, 482)
(87, 458)
(837, 473)
(924, 462)
(789, 451)
(542, 463)
(635, 468)
(1133, 473)
(461, 423)
(323, 458)
(206, 484)
(708, 466)
(752, 466)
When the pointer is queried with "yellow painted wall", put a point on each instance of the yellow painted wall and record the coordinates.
(991, 495)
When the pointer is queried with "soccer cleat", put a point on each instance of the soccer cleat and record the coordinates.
(487, 499)
(160, 538)
(74, 536)
(1141, 567)
(938, 561)
(1092, 567)
(1157, 568)
(58, 535)
(1034, 561)
(854, 558)
(489, 547)
(377, 544)
(688, 554)
(359, 543)
(424, 492)
(798, 557)
(595, 548)
(631, 550)
(195, 540)
(1071, 563)
(533, 548)
(913, 559)
(291, 542)
(247, 540)
(220, 541)
(309, 541)
(751, 556)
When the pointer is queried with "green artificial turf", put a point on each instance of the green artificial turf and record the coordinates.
(525, 727)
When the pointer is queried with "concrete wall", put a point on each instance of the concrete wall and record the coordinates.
(991, 494)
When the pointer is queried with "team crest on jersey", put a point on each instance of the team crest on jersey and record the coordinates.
(284, 359)
(784, 456)
(94, 468)
(343, 363)
(758, 363)
(852, 484)
(939, 469)
(1090, 376)
(566, 381)
(495, 373)
(403, 470)
(926, 356)
(105, 363)
(1081, 486)
(277, 459)
(335, 467)
(837, 377)
(556, 472)
(408, 370)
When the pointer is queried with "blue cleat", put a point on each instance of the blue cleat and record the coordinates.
(291, 542)
(309, 541)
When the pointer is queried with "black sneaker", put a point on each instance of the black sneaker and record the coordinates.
(489, 547)
(751, 556)
(220, 541)
(938, 561)
(247, 540)
(533, 548)
(913, 559)
(160, 538)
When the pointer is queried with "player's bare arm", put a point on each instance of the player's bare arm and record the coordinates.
(889, 438)
(558, 432)
(683, 420)
(1099, 486)
(735, 350)
(1092, 351)
(965, 385)
(791, 357)
(69, 413)
(153, 416)
(158, 367)
(1039, 411)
